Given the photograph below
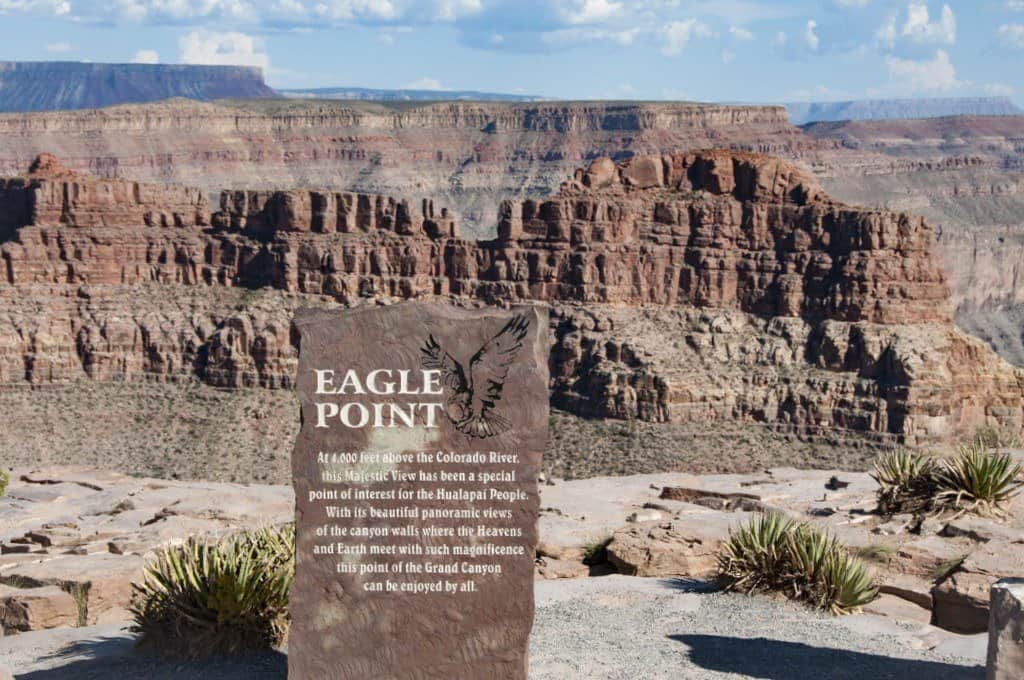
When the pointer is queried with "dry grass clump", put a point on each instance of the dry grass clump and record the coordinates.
(975, 479)
(4, 481)
(773, 553)
(201, 599)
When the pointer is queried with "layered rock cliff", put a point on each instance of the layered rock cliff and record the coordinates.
(966, 176)
(61, 85)
(705, 285)
(467, 155)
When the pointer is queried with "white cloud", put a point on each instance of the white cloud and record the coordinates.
(677, 34)
(232, 48)
(424, 84)
(60, 47)
(146, 57)
(920, 28)
(926, 75)
(1011, 36)
(810, 37)
(44, 7)
(591, 11)
(574, 36)
(741, 33)
(452, 10)
(349, 10)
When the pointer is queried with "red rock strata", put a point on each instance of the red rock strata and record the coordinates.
(777, 304)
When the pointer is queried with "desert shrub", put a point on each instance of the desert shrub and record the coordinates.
(772, 553)
(978, 480)
(944, 569)
(4, 480)
(876, 552)
(994, 437)
(224, 597)
(596, 550)
(906, 481)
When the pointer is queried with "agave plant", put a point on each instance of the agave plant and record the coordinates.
(906, 481)
(755, 556)
(771, 552)
(978, 480)
(845, 585)
(199, 599)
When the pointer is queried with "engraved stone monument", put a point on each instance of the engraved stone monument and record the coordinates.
(415, 477)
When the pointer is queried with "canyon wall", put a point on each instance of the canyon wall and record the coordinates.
(467, 155)
(966, 176)
(689, 286)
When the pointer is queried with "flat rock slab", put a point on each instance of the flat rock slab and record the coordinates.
(415, 477)
(23, 609)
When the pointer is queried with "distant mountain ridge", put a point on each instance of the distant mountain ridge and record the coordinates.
(63, 85)
(801, 113)
(367, 93)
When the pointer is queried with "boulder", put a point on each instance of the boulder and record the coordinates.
(104, 579)
(962, 599)
(23, 609)
(682, 547)
(1006, 631)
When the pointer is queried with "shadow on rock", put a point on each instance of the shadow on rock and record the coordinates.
(778, 660)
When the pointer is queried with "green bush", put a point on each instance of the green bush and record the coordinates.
(772, 553)
(4, 480)
(200, 599)
(978, 480)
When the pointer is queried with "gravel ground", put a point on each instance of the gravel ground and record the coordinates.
(608, 628)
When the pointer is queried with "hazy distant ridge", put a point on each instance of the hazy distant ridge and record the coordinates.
(366, 93)
(62, 85)
(877, 109)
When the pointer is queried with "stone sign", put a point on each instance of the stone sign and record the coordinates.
(415, 478)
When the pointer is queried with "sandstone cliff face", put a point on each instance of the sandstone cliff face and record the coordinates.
(691, 286)
(468, 155)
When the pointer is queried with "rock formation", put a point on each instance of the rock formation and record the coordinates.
(704, 285)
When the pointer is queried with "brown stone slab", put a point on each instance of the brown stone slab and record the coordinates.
(417, 526)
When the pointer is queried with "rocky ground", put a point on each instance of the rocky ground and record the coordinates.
(613, 627)
(73, 539)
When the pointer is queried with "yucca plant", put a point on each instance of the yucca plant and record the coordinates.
(906, 481)
(224, 597)
(845, 585)
(978, 480)
(756, 555)
(809, 551)
(771, 552)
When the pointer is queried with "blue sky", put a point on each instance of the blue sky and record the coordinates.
(726, 50)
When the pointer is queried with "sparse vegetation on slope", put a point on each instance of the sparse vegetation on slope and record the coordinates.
(201, 599)
(773, 553)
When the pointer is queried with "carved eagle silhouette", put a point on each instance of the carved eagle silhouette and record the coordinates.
(472, 391)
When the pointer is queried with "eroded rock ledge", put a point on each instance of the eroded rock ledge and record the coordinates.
(713, 284)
